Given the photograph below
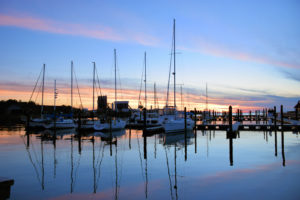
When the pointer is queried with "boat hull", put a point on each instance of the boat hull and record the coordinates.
(117, 125)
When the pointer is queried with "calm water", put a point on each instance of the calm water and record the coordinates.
(156, 167)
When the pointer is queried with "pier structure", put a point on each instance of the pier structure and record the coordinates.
(261, 121)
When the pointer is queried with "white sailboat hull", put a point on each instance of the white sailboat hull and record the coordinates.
(115, 125)
(177, 125)
(87, 124)
(36, 123)
(63, 124)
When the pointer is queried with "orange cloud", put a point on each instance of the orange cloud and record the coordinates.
(132, 95)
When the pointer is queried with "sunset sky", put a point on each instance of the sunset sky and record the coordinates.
(248, 52)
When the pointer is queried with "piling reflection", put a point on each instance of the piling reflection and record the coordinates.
(93, 145)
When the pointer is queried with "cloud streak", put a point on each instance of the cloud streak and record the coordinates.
(191, 100)
(209, 48)
(291, 76)
(57, 27)
(200, 45)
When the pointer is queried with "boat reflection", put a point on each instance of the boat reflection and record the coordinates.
(170, 144)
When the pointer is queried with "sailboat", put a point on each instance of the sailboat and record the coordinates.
(116, 124)
(171, 122)
(88, 124)
(152, 116)
(38, 123)
(59, 122)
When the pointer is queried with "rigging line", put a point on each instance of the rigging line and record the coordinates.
(98, 80)
(72, 167)
(120, 84)
(34, 166)
(170, 69)
(100, 166)
(140, 156)
(146, 185)
(78, 88)
(98, 157)
(37, 95)
(120, 173)
(116, 163)
(76, 170)
(121, 163)
(43, 170)
(36, 84)
(170, 181)
(141, 85)
(35, 155)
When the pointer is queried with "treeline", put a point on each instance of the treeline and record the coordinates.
(13, 111)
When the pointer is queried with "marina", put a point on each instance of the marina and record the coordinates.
(131, 100)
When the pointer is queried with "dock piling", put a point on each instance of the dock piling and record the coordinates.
(281, 116)
(230, 119)
(185, 134)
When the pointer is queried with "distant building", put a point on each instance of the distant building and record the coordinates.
(102, 103)
(122, 106)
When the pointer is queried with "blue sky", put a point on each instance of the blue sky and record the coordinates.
(247, 51)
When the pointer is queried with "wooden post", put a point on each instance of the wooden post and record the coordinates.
(185, 134)
(230, 119)
(241, 115)
(281, 114)
(185, 119)
(282, 136)
(27, 120)
(28, 140)
(130, 138)
(250, 116)
(79, 121)
(5, 185)
(282, 148)
(54, 119)
(145, 146)
(231, 151)
(79, 142)
(275, 118)
(145, 120)
(195, 130)
(195, 119)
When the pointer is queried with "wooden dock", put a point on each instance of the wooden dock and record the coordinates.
(250, 127)
(5, 185)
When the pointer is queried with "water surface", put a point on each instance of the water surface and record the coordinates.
(126, 165)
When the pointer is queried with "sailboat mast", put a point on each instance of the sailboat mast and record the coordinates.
(145, 82)
(115, 59)
(155, 96)
(71, 86)
(174, 73)
(43, 85)
(181, 97)
(206, 99)
(94, 87)
(55, 96)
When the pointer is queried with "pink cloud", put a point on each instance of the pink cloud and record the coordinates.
(56, 27)
(46, 25)
(202, 46)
